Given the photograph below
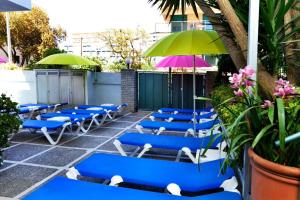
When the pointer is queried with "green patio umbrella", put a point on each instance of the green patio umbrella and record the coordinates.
(192, 42)
(65, 59)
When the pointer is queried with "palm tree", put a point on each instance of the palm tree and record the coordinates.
(231, 27)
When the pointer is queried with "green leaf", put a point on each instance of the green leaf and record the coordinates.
(203, 99)
(271, 114)
(281, 123)
(261, 134)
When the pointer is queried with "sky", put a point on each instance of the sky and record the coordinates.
(99, 15)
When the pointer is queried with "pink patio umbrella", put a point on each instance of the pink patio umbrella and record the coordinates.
(3, 60)
(181, 62)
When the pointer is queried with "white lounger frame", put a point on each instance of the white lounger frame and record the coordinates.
(229, 185)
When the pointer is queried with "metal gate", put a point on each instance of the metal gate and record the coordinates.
(57, 86)
(153, 91)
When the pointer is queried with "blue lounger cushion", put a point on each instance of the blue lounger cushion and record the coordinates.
(158, 173)
(40, 106)
(180, 117)
(83, 112)
(180, 110)
(73, 117)
(23, 110)
(169, 141)
(178, 126)
(61, 188)
(38, 124)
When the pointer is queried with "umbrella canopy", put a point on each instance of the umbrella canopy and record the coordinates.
(192, 42)
(65, 59)
(3, 60)
(182, 62)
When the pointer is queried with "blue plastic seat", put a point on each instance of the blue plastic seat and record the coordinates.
(38, 124)
(158, 173)
(61, 188)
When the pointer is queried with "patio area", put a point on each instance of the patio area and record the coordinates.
(30, 161)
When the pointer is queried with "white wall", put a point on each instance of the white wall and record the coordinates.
(19, 84)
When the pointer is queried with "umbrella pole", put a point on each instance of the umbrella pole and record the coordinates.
(170, 87)
(194, 93)
(182, 88)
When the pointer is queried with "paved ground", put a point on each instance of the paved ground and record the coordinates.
(30, 161)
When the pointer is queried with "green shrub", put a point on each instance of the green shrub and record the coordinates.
(9, 122)
(229, 111)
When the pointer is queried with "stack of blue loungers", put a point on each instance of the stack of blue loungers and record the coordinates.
(174, 177)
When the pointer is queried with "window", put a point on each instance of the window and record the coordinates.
(178, 23)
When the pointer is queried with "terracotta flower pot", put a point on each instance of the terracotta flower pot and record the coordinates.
(271, 181)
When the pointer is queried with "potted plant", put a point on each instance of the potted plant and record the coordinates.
(9, 121)
(271, 127)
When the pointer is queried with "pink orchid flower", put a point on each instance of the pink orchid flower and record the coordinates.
(267, 104)
(238, 93)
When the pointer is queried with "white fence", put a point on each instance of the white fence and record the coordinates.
(19, 84)
(50, 86)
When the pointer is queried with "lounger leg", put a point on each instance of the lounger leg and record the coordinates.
(146, 148)
(190, 131)
(174, 189)
(118, 145)
(72, 173)
(139, 128)
(160, 130)
(230, 185)
(188, 152)
(103, 119)
(51, 141)
(109, 114)
(116, 180)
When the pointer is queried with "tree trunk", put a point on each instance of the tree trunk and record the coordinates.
(293, 72)
(266, 81)
(235, 24)
(233, 49)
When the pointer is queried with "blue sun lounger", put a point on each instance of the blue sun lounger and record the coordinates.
(188, 145)
(80, 118)
(114, 109)
(180, 117)
(185, 111)
(61, 188)
(188, 128)
(47, 127)
(151, 172)
(26, 112)
(40, 106)
(96, 114)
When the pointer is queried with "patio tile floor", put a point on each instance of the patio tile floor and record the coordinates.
(31, 160)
